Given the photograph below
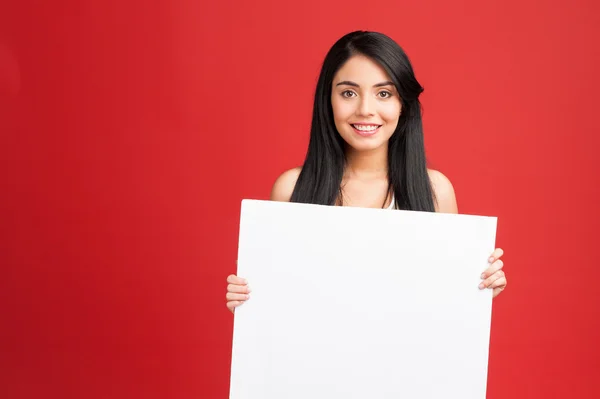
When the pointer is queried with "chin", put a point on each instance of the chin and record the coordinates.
(365, 143)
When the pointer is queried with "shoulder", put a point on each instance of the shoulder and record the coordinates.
(445, 198)
(284, 185)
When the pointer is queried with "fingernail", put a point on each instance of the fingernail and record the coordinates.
(482, 275)
(249, 290)
(247, 297)
(481, 286)
(491, 259)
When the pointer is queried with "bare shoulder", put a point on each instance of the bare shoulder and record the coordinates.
(444, 192)
(284, 185)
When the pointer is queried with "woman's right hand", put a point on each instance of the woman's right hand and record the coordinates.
(237, 292)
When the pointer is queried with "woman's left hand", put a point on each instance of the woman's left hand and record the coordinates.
(494, 277)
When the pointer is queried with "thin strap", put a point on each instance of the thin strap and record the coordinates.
(392, 204)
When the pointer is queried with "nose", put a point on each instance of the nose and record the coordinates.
(365, 107)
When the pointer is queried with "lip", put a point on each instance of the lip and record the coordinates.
(363, 133)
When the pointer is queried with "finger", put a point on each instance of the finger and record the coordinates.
(233, 304)
(498, 252)
(233, 279)
(240, 289)
(497, 292)
(501, 282)
(488, 281)
(497, 265)
(237, 297)
(500, 288)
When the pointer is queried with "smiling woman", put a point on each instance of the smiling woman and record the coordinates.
(365, 109)
(366, 144)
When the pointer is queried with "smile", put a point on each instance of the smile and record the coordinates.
(365, 130)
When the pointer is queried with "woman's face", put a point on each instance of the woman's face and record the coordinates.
(365, 102)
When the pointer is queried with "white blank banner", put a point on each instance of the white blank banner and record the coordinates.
(361, 303)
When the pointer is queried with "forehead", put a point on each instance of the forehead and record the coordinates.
(362, 70)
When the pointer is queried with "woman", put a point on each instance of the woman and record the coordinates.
(366, 144)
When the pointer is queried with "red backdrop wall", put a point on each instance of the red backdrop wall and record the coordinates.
(131, 130)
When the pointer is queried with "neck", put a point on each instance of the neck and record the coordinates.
(368, 164)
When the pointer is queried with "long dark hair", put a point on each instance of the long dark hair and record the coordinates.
(320, 180)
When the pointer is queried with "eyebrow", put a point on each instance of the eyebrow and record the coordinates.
(349, 83)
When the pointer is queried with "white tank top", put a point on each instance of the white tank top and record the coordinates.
(392, 204)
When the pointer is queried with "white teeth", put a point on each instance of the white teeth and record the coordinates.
(366, 128)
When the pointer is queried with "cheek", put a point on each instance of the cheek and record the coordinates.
(390, 112)
(341, 110)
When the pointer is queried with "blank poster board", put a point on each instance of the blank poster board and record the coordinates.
(361, 303)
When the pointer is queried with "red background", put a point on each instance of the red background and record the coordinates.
(131, 130)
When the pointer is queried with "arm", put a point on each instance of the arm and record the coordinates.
(284, 185)
(445, 198)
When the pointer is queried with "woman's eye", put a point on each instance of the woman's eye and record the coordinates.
(347, 94)
(385, 94)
